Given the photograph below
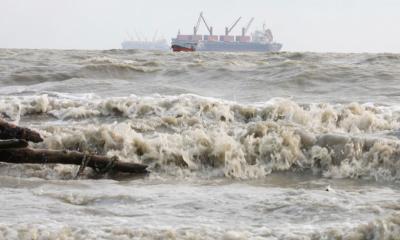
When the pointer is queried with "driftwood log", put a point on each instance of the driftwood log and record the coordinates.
(14, 149)
(11, 131)
(101, 164)
(13, 143)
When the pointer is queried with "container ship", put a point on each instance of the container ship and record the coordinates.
(259, 41)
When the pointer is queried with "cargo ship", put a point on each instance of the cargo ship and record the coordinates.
(139, 44)
(160, 45)
(259, 41)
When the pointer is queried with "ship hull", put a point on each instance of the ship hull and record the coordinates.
(178, 48)
(219, 46)
(183, 46)
(238, 47)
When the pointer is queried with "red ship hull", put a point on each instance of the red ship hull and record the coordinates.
(177, 48)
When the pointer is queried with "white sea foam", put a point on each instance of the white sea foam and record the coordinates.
(188, 134)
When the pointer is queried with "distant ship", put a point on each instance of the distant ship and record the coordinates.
(259, 41)
(159, 44)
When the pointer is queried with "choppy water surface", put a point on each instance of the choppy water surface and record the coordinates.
(241, 146)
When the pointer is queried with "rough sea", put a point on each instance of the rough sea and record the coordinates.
(240, 145)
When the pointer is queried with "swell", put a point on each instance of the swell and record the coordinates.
(284, 70)
(188, 135)
(96, 68)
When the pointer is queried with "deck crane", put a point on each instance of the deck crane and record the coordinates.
(155, 36)
(138, 36)
(228, 30)
(129, 36)
(196, 28)
(209, 28)
(246, 29)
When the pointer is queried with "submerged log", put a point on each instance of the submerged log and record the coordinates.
(13, 143)
(40, 156)
(11, 131)
(15, 150)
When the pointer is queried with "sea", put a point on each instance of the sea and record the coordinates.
(288, 145)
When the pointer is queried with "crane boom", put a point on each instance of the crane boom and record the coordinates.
(205, 23)
(155, 36)
(248, 26)
(138, 36)
(233, 25)
(196, 28)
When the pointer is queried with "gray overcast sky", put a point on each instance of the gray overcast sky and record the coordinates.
(301, 25)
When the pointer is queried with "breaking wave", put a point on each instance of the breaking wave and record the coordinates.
(188, 135)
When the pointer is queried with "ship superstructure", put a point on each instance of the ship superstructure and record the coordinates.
(259, 41)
